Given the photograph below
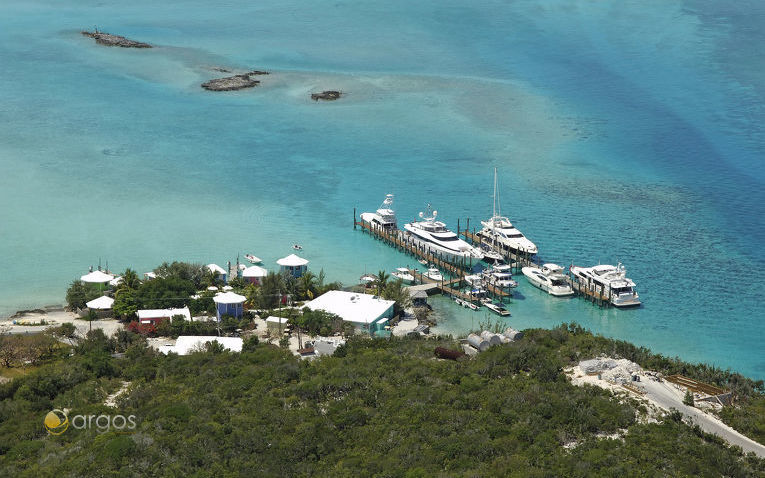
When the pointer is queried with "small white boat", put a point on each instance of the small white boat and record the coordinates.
(474, 279)
(549, 278)
(403, 274)
(253, 259)
(498, 309)
(471, 305)
(297, 247)
(423, 262)
(367, 278)
(434, 274)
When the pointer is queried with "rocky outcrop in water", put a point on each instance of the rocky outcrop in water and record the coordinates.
(108, 39)
(233, 83)
(329, 95)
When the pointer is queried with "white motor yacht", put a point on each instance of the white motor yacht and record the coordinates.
(501, 279)
(610, 281)
(384, 217)
(434, 237)
(490, 255)
(549, 278)
(500, 231)
(434, 274)
(403, 274)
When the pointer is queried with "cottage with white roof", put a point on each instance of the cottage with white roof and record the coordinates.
(153, 316)
(363, 310)
(293, 265)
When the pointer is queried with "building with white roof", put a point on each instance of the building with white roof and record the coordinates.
(363, 310)
(293, 265)
(152, 316)
(276, 324)
(185, 344)
(229, 303)
(221, 271)
(254, 274)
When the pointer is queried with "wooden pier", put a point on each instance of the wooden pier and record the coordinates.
(397, 239)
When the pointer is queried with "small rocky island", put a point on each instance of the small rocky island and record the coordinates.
(114, 40)
(233, 83)
(328, 95)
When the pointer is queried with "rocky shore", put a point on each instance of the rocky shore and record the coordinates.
(233, 83)
(108, 39)
(329, 95)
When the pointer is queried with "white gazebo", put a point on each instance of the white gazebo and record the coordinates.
(254, 274)
(293, 265)
(102, 303)
(229, 303)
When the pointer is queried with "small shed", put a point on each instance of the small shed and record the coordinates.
(293, 265)
(419, 298)
(276, 325)
(254, 274)
(186, 344)
(229, 303)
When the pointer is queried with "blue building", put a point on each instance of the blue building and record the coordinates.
(229, 303)
(293, 265)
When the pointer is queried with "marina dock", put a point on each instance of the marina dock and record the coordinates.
(518, 259)
(397, 239)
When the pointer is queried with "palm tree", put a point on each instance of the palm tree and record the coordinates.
(211, 278)
(307, 285)
(381, 282)
(129, 280)
(397, 292)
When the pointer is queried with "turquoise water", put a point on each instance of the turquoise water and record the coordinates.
(627, 131)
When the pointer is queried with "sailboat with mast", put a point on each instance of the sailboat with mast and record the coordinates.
(499, 229)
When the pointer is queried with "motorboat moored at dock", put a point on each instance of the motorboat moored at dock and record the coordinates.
(433, 236)
(404, 274)
(384, 217)
(549, 278)
(434, 274)
(500, 231)
(498, 309)
(609, 281)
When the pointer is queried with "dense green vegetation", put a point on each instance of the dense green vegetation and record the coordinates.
(378, 408)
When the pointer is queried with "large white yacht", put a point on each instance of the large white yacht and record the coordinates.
(549, 278)
(433, 236)
(499, 229)
(384, 217)
(610, 281)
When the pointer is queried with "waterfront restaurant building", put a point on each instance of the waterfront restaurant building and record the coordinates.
(293, 265)
(368, 312)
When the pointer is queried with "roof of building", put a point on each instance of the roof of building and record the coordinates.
(229, 298)
(159, 313)
(103, 302)
(97, 277)
(277, 320)
(216, 268)
(186, 344)
(418, 294)
(254, 271)
(351, 306)
(292, 261)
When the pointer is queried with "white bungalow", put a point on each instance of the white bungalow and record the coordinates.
(186, 344)
(293, 265)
